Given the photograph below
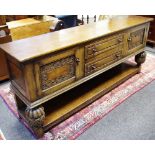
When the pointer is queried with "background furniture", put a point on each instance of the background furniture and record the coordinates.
(69, 20)
(29, 27)
(23, 28)
(151, 35)
(10, 18)
(4, 38)
(64, 73)
(86, 19)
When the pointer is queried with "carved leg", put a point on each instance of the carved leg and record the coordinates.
(36, 117)
(140, 58)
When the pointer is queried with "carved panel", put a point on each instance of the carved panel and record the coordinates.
(136, 38)
(57, 72)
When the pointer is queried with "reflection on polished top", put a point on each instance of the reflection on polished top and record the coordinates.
(27, 49)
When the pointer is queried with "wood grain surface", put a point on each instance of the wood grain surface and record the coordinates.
(30, 48)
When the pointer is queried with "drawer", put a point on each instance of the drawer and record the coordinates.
(101, 46)
(106, 53)
(92, 67)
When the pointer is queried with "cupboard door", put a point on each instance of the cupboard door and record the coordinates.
(56, 72)
(137, 38)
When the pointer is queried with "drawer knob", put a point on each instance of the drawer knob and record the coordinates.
(93, 67)
(129, 39)
(117, 55)
(120, 40)
(94, 50)
(77, 60)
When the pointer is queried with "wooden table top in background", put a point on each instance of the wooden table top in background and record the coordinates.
(30, 27)
(30, 48)
(28, 21)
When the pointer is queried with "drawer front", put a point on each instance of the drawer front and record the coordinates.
(114, 55)
(56, 72)
(101, 46)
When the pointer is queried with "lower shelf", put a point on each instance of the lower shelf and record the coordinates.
(65, 105)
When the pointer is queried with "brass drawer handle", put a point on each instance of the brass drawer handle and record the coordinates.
(129, 39)
(94, 50)
(93, 67)
(117, 55)
(120, 40)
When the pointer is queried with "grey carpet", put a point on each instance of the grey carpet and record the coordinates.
(10, 125)
(133, 119)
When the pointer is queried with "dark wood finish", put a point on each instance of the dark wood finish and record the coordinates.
(53, 64)
(4, 38)
(151, 34)
(3, 67)
(2, 20)
(10, 18)
(140, 58)
(36, 118)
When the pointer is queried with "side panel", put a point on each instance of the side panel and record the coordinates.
(22, 78)
(16, 75)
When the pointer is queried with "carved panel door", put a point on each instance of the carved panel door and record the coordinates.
(55, 72)
(136, 38)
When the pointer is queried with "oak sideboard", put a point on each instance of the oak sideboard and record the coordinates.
(55, 75)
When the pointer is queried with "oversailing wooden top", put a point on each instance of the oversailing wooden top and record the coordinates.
(30, 48)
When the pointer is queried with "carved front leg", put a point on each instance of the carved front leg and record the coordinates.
(140, 58)
(36, 117)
